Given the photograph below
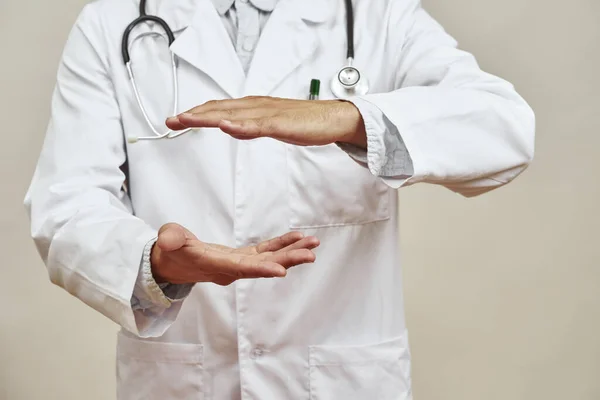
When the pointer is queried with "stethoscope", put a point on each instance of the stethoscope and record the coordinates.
(349, 81)
(346, 83)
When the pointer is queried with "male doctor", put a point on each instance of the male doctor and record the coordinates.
(188, 243)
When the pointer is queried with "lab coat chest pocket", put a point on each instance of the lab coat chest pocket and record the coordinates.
(380, 371)
(153, 370)
(328, 188)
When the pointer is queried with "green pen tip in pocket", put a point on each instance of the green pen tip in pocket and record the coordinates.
(315, 88)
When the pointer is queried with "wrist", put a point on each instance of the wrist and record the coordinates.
(155, 264)
(359, 137)
(357, 133)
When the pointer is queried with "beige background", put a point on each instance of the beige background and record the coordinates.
(503, 291)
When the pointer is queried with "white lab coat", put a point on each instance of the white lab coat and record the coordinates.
(329, 331)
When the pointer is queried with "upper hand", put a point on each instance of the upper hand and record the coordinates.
(299, 122)
(179, 257)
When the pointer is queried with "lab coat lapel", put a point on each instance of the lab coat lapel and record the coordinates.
(289, 38)
(176, 13)
(206, 45)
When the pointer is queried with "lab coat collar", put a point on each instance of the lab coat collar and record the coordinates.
(286, 42)
(206, 45)
(177, 13)
(180, 14)
(265, 5)
(317, 11)
(202, 41)
(223, 6)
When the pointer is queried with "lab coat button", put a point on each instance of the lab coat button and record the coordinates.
(256, 353)
(249, 44)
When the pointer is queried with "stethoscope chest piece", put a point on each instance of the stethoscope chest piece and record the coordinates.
(349, 82)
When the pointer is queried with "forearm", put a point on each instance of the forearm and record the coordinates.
(446, 122)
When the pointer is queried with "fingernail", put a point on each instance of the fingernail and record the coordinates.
(280, 273)
(172, 119)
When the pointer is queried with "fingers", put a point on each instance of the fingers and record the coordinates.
(288, 242)
(247, 267)
(279, 242)
(290, 258)
(209, 114)
(172, 237)
(248, 102)
(174, 124)
(236, 265)
(298, 122)
(253, 128)
(239, 265)
(201, 262)
(220, 109)
(244, 102)
(212, 119)
(225, 280)
(310, 243)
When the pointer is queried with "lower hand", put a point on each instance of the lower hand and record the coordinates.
(179, 257)
(299, 122)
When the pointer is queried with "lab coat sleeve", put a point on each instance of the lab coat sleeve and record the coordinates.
(463, 128)
(81, 218)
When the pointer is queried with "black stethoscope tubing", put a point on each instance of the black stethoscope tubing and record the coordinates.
(171, 37)
(347, 82)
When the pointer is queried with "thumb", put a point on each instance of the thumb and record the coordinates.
(172, 237)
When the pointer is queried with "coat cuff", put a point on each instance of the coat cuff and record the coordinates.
(386, 155)
(147, 290)
(155, 306)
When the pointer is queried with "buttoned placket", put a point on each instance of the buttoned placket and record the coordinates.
(251, 351)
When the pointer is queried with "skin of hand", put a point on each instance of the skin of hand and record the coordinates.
(298, 122)
(179, 257)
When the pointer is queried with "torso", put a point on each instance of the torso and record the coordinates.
(332, 330)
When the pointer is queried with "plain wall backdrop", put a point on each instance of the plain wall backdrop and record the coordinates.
(503, 291)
